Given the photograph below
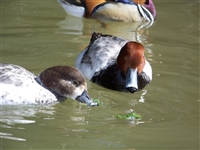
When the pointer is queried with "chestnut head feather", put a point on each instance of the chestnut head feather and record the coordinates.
(131, 56)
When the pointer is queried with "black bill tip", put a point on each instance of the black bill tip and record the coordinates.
(132, 89)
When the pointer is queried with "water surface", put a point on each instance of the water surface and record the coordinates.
(38, 34)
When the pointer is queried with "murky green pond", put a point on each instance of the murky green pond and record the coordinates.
(38, 34)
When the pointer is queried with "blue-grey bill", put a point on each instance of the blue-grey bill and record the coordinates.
(85, 98)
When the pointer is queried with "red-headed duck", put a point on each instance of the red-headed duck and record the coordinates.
(115, 63)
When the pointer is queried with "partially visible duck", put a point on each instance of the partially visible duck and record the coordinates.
(115, 63)
(55, 84)
(125, 10)
(120, 10)
(80, 8)
(73, 7)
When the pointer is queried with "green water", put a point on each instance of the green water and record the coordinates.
(38, 34)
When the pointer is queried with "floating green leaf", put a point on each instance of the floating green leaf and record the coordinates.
(96, 101)
(131, 115)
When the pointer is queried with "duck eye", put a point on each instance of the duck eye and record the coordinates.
(75, 83)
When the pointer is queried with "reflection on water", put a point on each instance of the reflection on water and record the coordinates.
(142, 99)
(136, 31)
(10, 137)
(12, 115)
(71, 25)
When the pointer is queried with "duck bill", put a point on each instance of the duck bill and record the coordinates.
(131, 80)
(85, 98)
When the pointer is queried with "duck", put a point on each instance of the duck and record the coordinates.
(117, 10)
(80, 8)
(115, 63)
(54, 84)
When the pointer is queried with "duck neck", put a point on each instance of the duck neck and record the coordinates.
(59, 97)
(111, 78)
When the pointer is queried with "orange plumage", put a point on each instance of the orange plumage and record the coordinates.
(141, 2)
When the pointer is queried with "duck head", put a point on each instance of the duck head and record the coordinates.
(66, 82)
(131, 62)
(150, 6)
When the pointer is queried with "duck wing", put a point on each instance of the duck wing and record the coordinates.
(13, 74)
(100, 53)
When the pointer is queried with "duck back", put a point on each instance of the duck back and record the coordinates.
(100, 53)
(19, 87)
